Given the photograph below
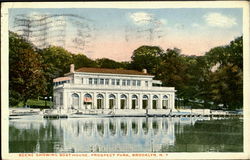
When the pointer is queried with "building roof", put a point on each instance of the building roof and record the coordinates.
(111, 71)
(61, 79)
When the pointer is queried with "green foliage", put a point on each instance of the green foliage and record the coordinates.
(108, 63)
(227, 86)
(227, 81)
(172, 69)
(81, 60)
(215, 78)
(26, 78)
(56, 62)
(146, 57)
(58, 59)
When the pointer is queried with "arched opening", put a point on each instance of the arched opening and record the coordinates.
(145, 102)
(111, 101)
(123, 101)
(100, 101)
(87, 101)
(75, 101)
(165, 102)
(155, 101)
(134, 101)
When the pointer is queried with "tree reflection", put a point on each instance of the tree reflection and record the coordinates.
(209, 136)
(42, 139)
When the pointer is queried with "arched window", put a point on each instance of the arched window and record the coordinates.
(87, 101)
(155, 97)
(145, 97)
(75, 100)
(87, 98)
(100, 101)
(100, 96)
(123, 96)
(123, 102)
(134, 101)
(112, 96)
(144, 102)
(134, 96)
(165, 102)
(155, 101)
(111, 101)
(165, 97)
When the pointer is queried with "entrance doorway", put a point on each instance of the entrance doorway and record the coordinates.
(145, 102)
(100, 101)
(111, 101)
(134, 101)
(155, 101)
(123, 101)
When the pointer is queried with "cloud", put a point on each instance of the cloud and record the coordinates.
(141, 18)
(196, 25)
(219, 20)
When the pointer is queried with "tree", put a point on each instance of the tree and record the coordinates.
(227, 79)
(56, 62)
(227, 86)
(109, 63)
(172, 70)
(58, 58)
(26, 76)
(80, 60)
(146, 57)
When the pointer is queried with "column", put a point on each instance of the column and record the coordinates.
(106, 102)
(129, 101)
(173, 103)
(118, 103)
(81, 100)
(65, 102)
(159, 101)
(140, 101)
(150, 106)
(94, 105)
(169, 101)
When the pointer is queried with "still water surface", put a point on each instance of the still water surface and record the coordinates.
(126, 135)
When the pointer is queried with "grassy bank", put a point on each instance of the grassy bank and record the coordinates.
(36, 103)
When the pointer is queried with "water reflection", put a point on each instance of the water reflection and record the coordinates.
(124, 135)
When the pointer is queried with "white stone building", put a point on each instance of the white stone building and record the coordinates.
(101, 90)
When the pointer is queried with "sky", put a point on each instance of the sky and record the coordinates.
(116, 33)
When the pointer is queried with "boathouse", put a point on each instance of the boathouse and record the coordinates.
(104, 90)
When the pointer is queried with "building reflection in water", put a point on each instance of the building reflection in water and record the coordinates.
(132, 134)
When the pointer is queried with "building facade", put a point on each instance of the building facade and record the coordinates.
(103, 90)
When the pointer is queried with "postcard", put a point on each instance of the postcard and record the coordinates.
(125, 80)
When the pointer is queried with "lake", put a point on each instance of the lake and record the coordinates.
(125, 134)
